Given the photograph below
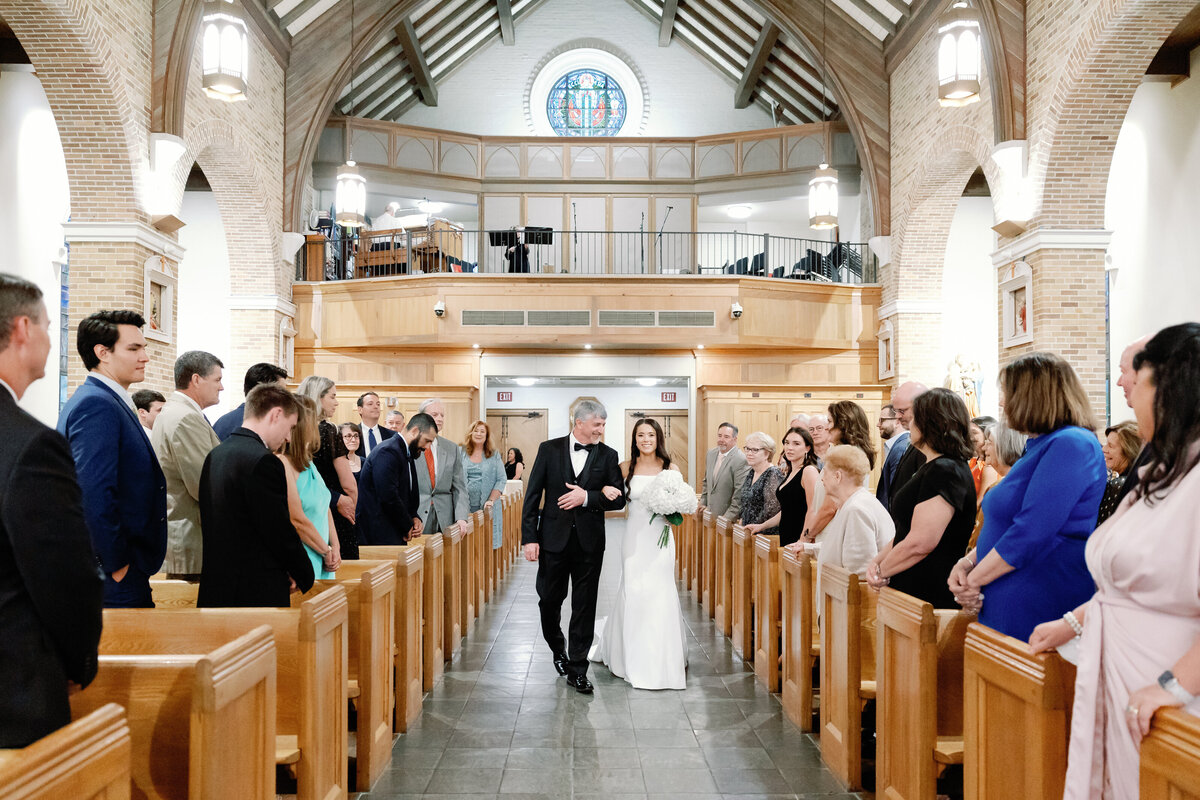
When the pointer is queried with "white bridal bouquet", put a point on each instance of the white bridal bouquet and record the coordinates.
(669, 497)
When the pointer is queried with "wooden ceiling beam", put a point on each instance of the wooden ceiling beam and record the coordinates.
(898, 6)
(875, 15)
(507, 34)
(756, 63)
(411, 47)
(667, 25)
(277, 39)
(363, 107)
(924, 13)
(302, 8)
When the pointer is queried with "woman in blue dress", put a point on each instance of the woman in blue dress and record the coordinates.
(485, 476)
(1036, 522)
(308, 496)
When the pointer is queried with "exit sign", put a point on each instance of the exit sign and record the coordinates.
(503, 397)
(668, 397)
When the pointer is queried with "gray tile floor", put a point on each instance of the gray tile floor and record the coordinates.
(502, 724)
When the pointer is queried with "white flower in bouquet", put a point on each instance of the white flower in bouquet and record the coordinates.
(669, 497)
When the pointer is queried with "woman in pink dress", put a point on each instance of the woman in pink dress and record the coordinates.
(1140, 642)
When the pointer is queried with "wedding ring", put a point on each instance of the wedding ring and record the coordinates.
(1130, 710)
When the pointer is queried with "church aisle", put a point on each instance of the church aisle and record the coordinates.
(503, 724)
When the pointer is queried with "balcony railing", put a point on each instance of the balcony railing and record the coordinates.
(443, 248)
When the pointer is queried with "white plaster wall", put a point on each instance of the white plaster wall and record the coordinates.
(203, 291)
(34, 202)
(686, 96)
(970, 325)
(1152, 209)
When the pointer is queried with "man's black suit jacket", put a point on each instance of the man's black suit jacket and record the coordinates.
(550, 526)
(384, 434)
(250, 545)
(51, 589)
(387, 494)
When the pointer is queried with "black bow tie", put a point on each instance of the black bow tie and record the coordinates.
(587, 447)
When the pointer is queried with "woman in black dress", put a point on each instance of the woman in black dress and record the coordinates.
(934, 511)
(514, 464)
(333, 465)
(799, 467)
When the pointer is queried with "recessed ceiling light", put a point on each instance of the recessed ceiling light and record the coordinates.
(738, 212)
(699, 347)
(525, 381)
(587, 347)
(648, 381)
(476, 346)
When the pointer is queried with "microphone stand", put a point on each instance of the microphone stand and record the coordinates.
(575, 236)
(658, 239)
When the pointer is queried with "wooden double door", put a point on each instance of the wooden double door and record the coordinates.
(524, 429)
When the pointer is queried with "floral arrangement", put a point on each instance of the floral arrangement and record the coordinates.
(669, 497)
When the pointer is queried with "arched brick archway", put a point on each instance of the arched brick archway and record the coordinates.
(102, 140)
(914, 281)
(1074, 148)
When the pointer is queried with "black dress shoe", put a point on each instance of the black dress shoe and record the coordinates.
(581, 684)
(560, 663)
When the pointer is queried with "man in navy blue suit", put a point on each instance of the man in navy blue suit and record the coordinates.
(387, 491)
(124, 491)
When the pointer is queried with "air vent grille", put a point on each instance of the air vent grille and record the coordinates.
(560, 318)
(640, 319)
(489, 317)
(687, 319)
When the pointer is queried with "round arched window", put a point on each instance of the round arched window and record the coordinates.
(586, 102)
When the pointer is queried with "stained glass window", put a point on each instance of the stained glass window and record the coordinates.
(586, 102)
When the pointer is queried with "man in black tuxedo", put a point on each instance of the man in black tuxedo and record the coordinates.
(566, 537)
(51, 588)
(387, 486)
(252, 554)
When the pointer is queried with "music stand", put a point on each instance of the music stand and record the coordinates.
(505, 239)
(538, 236)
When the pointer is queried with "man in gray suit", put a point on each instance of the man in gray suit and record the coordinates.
(441, 477)
(725, 469)
(182, 438)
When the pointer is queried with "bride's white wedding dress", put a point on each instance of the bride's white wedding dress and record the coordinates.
(644, 640)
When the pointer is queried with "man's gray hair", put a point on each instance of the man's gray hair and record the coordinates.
(194, 362)
(1009, 444)
(433, 401)
(589, 408)
(395, 412)
(18, 298)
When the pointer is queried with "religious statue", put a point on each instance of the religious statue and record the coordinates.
(964, 378)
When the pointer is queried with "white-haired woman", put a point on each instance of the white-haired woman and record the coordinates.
(756, 503)
(333, 464)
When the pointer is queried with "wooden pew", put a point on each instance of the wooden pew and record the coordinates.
(452, 591)
(89, 758)
(466, 554)
(742, 601)
(311, 650)
(847, 669)
(1016, 720)
(491, 556)
(202, 717)
(682, 532)
(370, 588)
(799, 655)
(919, 696)
(409, 561)
(483, 546)
(767, 611)
(721, 533)
(706, 586)
(1170, 757)
(433, 628)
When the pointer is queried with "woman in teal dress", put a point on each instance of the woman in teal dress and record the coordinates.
(308, 496)
(485, 476)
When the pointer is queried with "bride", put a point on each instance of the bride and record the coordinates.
(644, 640)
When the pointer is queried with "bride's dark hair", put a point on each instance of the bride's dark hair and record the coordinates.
(660, 447)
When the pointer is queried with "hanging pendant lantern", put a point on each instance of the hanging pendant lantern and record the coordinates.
(226, 50)
(823, 199)
(960, 55)
(350, 198)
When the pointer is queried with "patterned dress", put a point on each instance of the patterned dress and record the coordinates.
(759, 498)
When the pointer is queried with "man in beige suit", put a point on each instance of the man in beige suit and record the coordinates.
(725, 469)
(182, 438)
(441, 477)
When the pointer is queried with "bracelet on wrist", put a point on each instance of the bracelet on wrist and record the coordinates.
(1169, 682)
(1071, 620)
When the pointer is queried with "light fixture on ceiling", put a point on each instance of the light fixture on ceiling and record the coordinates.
(526, 382)
(427, 207)
(350, 197)
(225, 50)
(475, 346)
(699, 347)
(823, 188)
(738, 212)
(647, 382)
(587, 347)
(959, 55)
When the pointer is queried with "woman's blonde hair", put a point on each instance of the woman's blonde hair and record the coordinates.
(306, 436)
(850, 459)
(315, 387)
(488, 449)
(1128, 438)
(767, 442)
(1042, 393)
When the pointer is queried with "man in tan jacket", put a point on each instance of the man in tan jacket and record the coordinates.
(182, 438)
(725, 470)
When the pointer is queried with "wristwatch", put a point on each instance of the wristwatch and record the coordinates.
(1169, 682)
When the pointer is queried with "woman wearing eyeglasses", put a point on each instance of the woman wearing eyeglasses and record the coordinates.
(757, 503)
